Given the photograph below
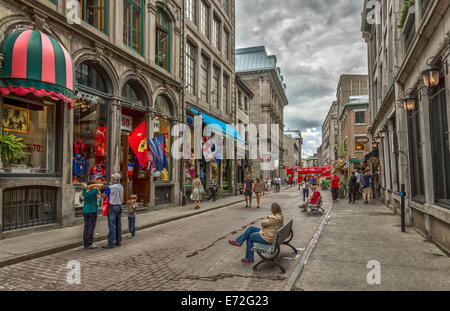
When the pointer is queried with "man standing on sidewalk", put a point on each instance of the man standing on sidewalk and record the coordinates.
(115, 195)
(249, 187)
(352, 188)
(335, 186)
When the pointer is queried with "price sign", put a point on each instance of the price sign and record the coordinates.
(127, 123)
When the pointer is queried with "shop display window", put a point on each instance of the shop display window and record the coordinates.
(90, 141)
(162, 135)
(35, 124)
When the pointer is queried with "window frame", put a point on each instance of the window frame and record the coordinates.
(130, 33)
(356, 118)
(204, 79)
(168, 32)
(216, 33)
(204, 20)
(190, 75)
(190, 7)
(84, 14)
(215, 91)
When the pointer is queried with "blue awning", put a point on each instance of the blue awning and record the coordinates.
(219, 125)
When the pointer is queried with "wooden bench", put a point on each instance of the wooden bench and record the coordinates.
(271, 252)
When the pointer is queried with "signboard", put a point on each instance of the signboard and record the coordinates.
(361, 140)
(126, 123)
(156, 125)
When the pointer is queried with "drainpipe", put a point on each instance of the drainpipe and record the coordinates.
(183, 96)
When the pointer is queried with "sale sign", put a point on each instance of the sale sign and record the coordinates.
(126, 123)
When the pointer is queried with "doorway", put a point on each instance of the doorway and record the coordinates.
(136, 180)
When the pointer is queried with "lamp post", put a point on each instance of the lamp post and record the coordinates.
(431, 74)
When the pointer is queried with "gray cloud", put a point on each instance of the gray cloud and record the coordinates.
(315, 42)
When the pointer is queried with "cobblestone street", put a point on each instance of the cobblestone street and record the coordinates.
(188, 254)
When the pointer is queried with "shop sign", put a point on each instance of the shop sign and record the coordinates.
(156, 125)
(127, 123)
(362, 140)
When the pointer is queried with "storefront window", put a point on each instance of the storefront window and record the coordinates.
(162, 136)
(161, 133)
(90, 140)
(35, 123)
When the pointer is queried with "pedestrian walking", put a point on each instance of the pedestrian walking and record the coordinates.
(263, 235)
(366, 181)
(196, 195)
(306, 187)
(259, 189)
(132, 215)
(249, 188)
(213, 187)
(358, 184)
(335, 187)
(90, 211)
(114, 193)
(352, 188)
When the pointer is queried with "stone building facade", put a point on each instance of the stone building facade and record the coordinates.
(292, 151)
(124, 61)
(244, 96)
(259, 70)
(403, 49)
(330, 136)
(209, 66)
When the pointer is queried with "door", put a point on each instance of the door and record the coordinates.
(136, 180)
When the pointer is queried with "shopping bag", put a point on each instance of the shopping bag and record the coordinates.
(105, 207)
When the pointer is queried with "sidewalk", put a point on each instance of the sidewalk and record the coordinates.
(357, 234)
(22, 248)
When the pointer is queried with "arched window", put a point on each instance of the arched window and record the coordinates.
(163, 106)
(87, 74)
(163, 39)
(133, 93)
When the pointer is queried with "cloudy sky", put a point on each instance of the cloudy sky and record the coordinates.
(315, 42)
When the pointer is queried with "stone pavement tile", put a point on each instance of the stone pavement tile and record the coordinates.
(350, 276)
(356, 234)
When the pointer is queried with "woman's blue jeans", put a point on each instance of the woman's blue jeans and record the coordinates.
(251, 235)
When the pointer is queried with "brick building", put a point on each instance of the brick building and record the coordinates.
(354, 128)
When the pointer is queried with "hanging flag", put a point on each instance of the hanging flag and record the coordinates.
(138, 142)
(157, 149)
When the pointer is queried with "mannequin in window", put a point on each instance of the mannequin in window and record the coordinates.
(78, 167)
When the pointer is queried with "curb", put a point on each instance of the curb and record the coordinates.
(298, 269)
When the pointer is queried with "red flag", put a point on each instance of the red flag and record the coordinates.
(138, 142)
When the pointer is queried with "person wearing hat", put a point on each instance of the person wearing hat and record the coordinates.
(115, 195)
(132, 215)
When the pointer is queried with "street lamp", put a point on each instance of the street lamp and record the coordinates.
(431, 75)
(378, 139)
(374, 144)
(382, 134)
(409, 102)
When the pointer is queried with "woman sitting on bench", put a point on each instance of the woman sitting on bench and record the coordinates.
(270, 225)
(314, 198)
